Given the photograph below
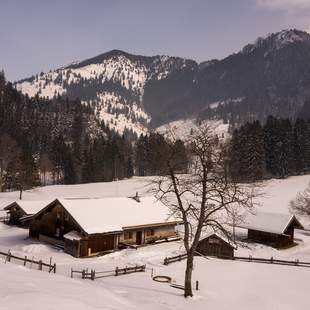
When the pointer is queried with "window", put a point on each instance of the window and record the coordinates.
(128, 235)
(149, 232)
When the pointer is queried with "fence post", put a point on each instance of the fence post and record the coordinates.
(54, 267)
(83, 274)
(40, 265)
(92, 274)
(271, 260)
(152, 273)
(50, 266)
(166, 261)
(116, 271)
(197, 285)
(9, 256)
(25, 260)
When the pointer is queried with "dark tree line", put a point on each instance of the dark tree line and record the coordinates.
(278, 148)
(152, 152)
(62, 141)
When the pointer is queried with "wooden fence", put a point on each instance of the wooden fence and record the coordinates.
(93, 274)
(9, 257)
(271, 260)
(172, 259)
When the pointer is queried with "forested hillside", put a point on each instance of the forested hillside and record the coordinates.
(62, 141)
(269, 77)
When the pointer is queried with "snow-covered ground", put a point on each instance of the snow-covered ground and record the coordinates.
(223, 284)
(182, 128)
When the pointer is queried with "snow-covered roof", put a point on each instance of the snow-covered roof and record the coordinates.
(115, 214)
(73, 235)
(221, 235)
(29, 206)
(275, 223)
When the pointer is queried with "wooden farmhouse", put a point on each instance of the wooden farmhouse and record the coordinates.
(216, 245)
(273, 229)
(86, 227)
(20, 210)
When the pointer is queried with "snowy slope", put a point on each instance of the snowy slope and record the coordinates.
(182, 128)
(277, 193)
(22, 289)
(223, 284)
(112, 83)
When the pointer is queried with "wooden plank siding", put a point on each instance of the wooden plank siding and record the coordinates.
(215, 246)
(274, 240)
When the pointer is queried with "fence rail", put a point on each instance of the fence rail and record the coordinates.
(271, 260)
(9, 256)
(172, 259)
(93, 274)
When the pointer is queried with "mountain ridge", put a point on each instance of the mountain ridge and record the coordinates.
(269, 76)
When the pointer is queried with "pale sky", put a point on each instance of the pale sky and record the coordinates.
(38, 35)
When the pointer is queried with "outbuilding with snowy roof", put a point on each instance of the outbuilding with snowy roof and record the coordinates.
(20, 209)
(274, 229)
(216, 244)
(85, 227)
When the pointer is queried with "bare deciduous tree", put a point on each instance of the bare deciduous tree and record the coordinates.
(301, 203)
(205, 198)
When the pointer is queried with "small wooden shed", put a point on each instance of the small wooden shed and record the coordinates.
(216, 245)
(274, 229)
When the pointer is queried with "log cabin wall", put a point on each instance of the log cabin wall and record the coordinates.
(101, 243)
(72, 247)
(275, 240)
(215, 246)
(54, 222)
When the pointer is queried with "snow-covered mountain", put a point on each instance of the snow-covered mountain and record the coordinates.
(269, 77)
(112, 83)
(276, 41)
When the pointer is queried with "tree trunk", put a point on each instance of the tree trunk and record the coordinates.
(21, 193)
(188, 292)
(1, 175)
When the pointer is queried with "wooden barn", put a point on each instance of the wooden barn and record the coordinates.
(273, 229)
(21, 209)
(86, 227)
(216, 245)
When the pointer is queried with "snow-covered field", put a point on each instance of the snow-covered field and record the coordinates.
(223, 284)
(182, 128)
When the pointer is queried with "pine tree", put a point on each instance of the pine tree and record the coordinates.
(301, 146)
